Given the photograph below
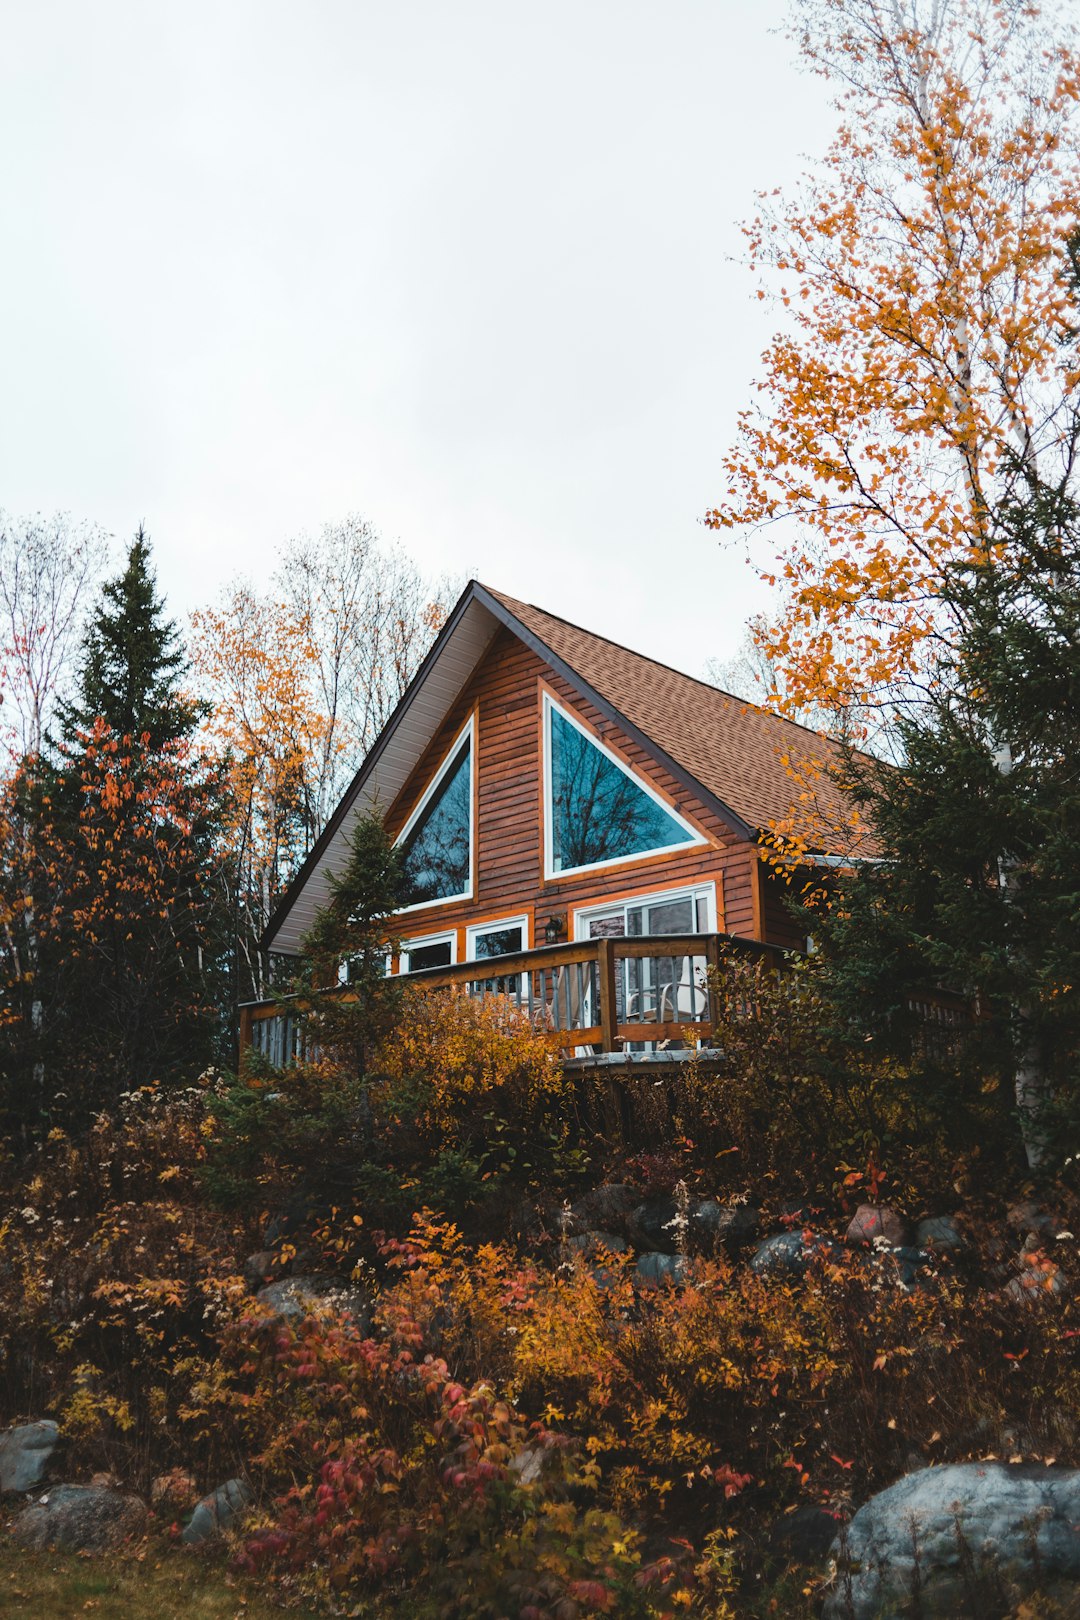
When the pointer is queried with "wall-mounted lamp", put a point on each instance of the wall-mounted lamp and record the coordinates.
(554, 929)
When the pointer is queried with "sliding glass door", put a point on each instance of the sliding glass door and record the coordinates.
(664, 989)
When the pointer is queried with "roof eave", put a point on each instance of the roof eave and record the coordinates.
(371, 760)
(474, 591)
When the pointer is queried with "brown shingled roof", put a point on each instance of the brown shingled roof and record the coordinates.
(772, 772)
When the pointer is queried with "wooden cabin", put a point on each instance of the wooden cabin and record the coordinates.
(587, 819)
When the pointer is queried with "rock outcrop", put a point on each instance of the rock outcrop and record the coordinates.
(25, 1453)
(967, 1539)
(80, 1518)
(217, 1511)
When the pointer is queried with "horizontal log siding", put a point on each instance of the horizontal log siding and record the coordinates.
(505, 691)
(780, 927)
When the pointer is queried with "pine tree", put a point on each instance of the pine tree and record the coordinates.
(133, 663)
(353, 928)
(129, 933)
(978, 890)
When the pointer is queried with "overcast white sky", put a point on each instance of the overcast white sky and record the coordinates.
(461, 267)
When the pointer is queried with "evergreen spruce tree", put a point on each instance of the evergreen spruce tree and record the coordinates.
(133, 663)
(133, 932)
(978, 890)
(352, 933)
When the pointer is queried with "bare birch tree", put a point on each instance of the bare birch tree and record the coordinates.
(302, 678)
(49, 569)
(370, 616)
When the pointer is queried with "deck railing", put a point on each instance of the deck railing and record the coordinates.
(625, 995)
(604, 995)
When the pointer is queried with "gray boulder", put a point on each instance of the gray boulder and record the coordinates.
(788, 1254)
(218, 1511)
(603, 1207)
(654, 1270)
(939, 1233)
(261, 1267)
(968, 1539)
(1037, 1285)
(593, 1243)
(1033, 1219)
(80, 1518)
(24, 1455)
(529, 1464)
(651, 1225)
(874, 1223)
(716, 1226)
(709, 1225)
(296, 1297)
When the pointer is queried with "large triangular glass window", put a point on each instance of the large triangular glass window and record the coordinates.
(598, 811)
(436, 841)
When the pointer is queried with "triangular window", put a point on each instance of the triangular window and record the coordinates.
(598, 811)
(436, 841)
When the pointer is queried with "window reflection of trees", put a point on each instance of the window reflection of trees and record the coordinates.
(436, 855)
(598, 812)
(498, 942)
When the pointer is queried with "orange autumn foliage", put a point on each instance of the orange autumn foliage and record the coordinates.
(475, 1054)
(107, 921)
(929, 350)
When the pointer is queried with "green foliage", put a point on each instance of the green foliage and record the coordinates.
(979, 888)
(352, 929)
(113, 1275)
(473, 1076)
(133, 666)
(796, 1092)
(668, 1426)
(403, 1478)
(112, 957)
(278, 1131)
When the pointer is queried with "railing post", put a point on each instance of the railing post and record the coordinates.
(609, 1024)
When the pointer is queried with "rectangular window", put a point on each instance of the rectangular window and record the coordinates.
(433, 951)
(501, 938)
(672, 911)
(486, 942)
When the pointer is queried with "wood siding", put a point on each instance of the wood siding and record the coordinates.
(505, 694)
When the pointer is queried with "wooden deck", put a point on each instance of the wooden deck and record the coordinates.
(632, 996)
(603, 995)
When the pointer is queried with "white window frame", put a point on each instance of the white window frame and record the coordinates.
(551, 875)
(651, 897)
(469, 730)
(446, 936)
(689, 891)
(474, 929)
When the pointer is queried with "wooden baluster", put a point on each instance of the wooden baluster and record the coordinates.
(605, 969)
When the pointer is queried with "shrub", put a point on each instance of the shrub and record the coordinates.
(407, 1480)
(473, 1075)
(796, 1094)
(113, 1272)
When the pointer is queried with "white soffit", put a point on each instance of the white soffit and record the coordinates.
(391, 762)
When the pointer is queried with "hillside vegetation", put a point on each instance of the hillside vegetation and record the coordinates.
(489, 1402)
